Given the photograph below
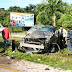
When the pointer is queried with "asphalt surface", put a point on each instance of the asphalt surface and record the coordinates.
(15, 65)
(4, 70)
(5, 61)
(16, 34)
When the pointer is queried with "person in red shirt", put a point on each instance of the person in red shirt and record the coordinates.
(6, 34)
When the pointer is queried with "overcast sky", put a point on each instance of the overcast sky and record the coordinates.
(22, 3)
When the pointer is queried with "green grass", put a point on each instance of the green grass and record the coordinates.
(61, 61)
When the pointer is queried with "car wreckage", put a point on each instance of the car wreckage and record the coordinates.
(40, 38)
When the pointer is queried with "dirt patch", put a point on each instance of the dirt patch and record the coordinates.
(5, 60)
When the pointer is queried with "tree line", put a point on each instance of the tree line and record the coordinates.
(48, 13)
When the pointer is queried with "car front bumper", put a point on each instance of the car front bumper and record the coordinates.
(31, 45)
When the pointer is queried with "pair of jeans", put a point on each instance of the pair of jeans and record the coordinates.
(69, 45)
(6, 42)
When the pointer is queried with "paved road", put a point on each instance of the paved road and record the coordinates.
(15, 65)
(5, 70)
(17, 34)
(5, 61)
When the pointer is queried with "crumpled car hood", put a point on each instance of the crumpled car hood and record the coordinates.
(40, 34)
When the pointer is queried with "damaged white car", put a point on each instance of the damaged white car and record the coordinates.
(40, 38)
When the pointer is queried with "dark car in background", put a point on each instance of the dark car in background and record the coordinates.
(40, 38)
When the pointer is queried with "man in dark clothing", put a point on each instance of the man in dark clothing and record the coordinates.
(6, 34)
(69, 38)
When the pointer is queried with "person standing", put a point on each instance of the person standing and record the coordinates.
(69, 38)
(62, 36)
(6, 34)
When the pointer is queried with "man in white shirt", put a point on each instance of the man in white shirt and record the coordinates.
(62, 36)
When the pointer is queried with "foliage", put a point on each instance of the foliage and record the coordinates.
(5, 16)
(2, 14)
(29, 9)
(6, 21)
(65, 20)
(45, 13)
(15, 9)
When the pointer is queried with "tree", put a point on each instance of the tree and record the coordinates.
(29, 9)
(15, 9)
(66, 18)
(6, 21)
(42, 16)
(48, 12)
(2, 15)
(54, 7)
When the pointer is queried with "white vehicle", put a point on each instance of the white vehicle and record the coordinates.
(1, 27)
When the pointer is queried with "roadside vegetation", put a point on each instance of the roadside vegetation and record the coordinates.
(57, 60)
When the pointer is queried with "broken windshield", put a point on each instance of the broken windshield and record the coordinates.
(42, 29)
(46, 29)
